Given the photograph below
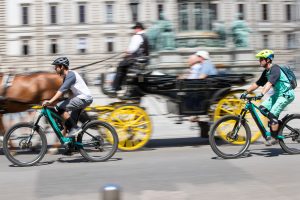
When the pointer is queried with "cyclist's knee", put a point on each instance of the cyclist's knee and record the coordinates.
(59, 110)
(264, 111)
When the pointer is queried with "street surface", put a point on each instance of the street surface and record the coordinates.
(176, 164)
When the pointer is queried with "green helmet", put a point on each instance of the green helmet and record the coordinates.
(266, 53)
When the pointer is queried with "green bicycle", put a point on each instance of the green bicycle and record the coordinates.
(230, 136)
(25, 144)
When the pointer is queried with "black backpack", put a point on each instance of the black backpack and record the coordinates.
(290, 75)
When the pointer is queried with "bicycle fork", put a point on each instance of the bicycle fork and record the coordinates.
(237, 125)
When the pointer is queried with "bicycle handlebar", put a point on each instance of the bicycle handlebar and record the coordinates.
(255, 98)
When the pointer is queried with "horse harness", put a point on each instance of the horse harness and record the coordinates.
(7, 81)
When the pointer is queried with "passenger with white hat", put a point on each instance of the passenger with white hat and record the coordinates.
(207, 67)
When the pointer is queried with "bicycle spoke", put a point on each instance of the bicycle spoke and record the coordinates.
(291, 134)
(23, 146)
(228, 138)
(99, 141)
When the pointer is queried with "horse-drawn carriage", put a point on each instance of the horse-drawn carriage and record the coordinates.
(210, 98)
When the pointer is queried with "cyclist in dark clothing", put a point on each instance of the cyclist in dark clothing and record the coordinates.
(283, 95)
(138, 47)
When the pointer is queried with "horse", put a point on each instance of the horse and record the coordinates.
(19, 92)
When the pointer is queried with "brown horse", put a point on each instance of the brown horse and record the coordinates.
(19, 92)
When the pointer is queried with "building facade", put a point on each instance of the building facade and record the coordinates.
(34, 32)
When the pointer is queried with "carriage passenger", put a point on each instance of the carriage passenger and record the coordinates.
(207, 67)
(200, 66)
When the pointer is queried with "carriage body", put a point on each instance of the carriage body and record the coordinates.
(187, 96)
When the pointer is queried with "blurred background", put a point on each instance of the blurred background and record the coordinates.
(34, 32)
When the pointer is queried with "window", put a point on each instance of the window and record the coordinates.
(290, 12)
(213, 11)
(82, 45)
(25, 48)
(53, 14)
(110, 44)
(198, 15)
(53, 46)
(109, 13)
(264, 12)
(241, 11)
(25, 15)
(265, 41)
(160, 11)
(183, 17)
(213, 14)
(134, 10)
(291, 41)
(81, 14)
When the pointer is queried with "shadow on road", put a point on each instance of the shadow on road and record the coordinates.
(79, 159)
(37, 164)
(268, 152)
(177, 142)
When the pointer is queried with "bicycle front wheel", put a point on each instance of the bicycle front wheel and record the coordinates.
(98, 140)
(24, 144)
(226, 135)
(290, 131)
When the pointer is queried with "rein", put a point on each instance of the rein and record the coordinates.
(93, 63)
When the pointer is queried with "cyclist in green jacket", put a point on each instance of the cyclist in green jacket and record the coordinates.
(283, 95)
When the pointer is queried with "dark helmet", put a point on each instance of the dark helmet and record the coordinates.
(61, 61)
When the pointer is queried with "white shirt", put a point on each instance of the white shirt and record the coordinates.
(195, 71)
(135, 42)
(74, 82)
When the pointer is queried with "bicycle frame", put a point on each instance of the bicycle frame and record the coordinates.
(51, 116)
(252, 109)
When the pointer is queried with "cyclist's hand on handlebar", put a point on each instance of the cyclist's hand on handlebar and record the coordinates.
(243, 96)
(260, 96)
(46, 103)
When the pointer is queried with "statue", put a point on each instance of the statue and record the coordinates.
(240, 33)
(161, 35)
(219, 28)
(152, 35)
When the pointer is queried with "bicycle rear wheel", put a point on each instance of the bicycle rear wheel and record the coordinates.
(99, 141)
(225, 135)
(24, 144)
(290, 130)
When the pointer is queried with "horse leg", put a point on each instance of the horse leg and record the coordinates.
(2, 128)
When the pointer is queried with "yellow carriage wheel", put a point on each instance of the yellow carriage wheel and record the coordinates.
(133, 126)
(103, 112)
(231, 104)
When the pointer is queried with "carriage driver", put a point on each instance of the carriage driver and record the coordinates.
(283, 95)
(138, 47)
(81, 95)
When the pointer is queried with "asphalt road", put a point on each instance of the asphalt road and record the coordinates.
(176, 165)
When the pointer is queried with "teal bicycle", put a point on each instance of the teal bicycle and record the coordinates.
(230, 136)
(25, 144)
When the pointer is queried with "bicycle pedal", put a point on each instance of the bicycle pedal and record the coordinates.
(270, 141)
(68, 152)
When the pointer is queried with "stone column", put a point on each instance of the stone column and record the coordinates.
(67, 23)
(2, 34)
(39, 36)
